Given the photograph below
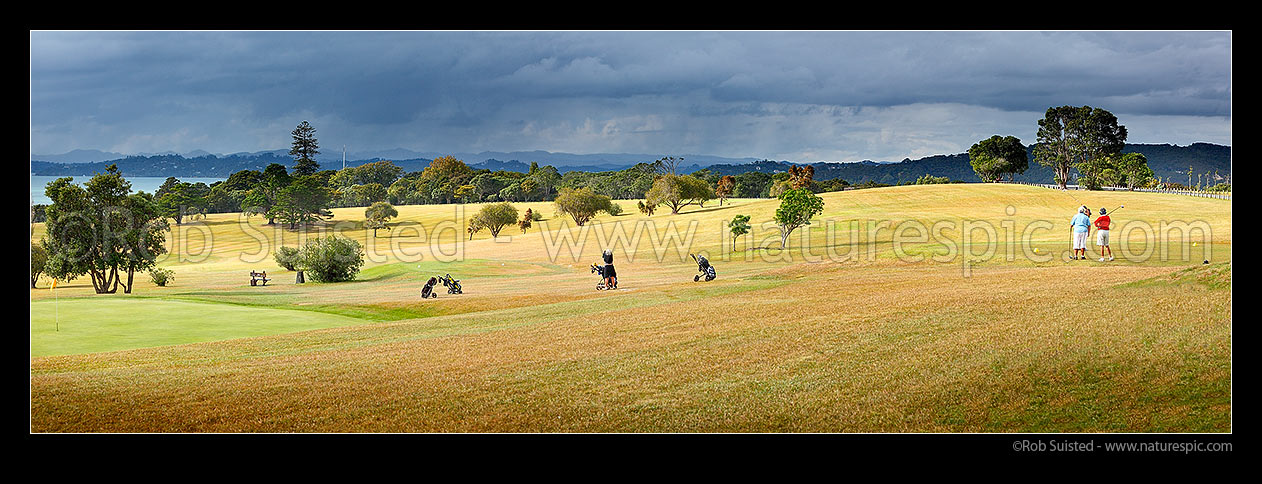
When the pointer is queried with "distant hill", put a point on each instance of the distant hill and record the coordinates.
(562, 161)
(210, 166)
(220, 166)
(1167, 161)
(79, 156)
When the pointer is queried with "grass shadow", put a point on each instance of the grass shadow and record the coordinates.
(704, 210)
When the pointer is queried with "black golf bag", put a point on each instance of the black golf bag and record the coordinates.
(452, 285)
(428, 290)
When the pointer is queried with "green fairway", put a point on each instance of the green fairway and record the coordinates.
(74, 326)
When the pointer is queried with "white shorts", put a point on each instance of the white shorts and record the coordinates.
(1080, 240)
(1102, 238)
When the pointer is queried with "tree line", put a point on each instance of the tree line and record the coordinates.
(304, 193)
(1071, 139)
(105, 231)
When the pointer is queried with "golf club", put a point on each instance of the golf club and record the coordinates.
(1075, 198)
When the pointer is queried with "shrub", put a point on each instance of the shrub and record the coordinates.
(928, 179)
(287, 257)
(162, 277)
(646, 209)
(738, 226)
(331, 259)
(614, 209)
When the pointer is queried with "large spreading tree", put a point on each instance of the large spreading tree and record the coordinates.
(179, 199)
(801, 176)
(996, 156)
(1130, 170)
(1134, 169)
(581, 204)
(444, 176)
(305, 200)
(496, 216)
(261, 200)
(1071, 137)
(678, 191)
(378, 216)
(100, 229)
(383, 173)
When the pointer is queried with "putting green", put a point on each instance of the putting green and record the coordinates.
(90, 325)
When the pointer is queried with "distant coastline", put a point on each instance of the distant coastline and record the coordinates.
(1167, 161)
(148, 184)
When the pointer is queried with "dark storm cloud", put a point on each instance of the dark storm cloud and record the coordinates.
(1004, 70)
(629, 89)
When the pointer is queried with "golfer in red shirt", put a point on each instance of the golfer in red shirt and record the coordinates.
(1102, 234)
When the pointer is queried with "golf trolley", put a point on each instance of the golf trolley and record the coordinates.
(453, 286)
(704, 268)
(608, 275)
(603, 285)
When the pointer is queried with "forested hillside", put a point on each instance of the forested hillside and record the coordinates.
(1167, 161)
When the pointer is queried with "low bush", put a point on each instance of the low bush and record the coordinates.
(162, 277)
(331, 259)
(287, 257)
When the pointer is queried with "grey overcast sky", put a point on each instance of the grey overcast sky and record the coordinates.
(790, 95)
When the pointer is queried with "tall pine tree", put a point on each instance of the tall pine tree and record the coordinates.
(305, 148)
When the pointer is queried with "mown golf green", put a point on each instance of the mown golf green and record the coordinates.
(851, 329)
(95, 325)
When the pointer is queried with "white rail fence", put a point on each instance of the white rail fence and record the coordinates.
(1191, 193)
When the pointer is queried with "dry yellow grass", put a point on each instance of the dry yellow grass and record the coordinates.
(870, 345)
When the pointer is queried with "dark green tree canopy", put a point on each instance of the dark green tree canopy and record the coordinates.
(331, 259)
(101, 229)
(797, 207)
(678, 191)
(39, 257)
(179, 199)
(305, 200)
(304, 149)
(996, 156)
(496, 216)
(738, 226)
(383, 173)
(581, 204)
(1070, 137)
(378, 216)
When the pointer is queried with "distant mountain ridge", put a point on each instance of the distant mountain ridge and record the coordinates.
(1167, 161)
(333, 157)
(79, 156)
